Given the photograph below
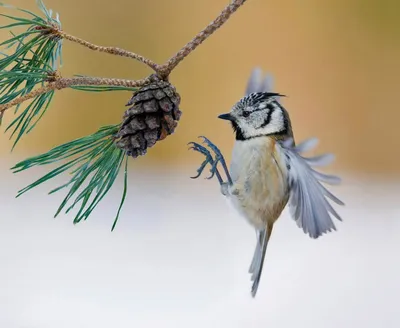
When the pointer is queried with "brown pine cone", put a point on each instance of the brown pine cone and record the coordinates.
(153, 115)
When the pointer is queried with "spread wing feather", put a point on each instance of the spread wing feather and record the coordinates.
(308, 201)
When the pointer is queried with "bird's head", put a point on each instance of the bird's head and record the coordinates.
(259, 114)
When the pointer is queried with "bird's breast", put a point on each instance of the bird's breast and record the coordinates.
(259, 174)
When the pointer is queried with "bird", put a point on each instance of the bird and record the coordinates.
(268, 171)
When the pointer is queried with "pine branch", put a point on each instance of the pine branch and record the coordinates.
(165, 69)
(73, 82)
(41, 97)
(50, 31)
(31, 73)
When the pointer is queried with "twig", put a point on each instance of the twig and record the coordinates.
(109, 50)
(226, 13)
(62, 83)
(165, 69)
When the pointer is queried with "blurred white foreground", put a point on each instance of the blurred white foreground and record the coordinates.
(179, 258)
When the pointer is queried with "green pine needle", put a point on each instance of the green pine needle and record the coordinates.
(93, 158)
(33, 54)
(35, 42)
(30, 116)
(10, 81)
(102, 88)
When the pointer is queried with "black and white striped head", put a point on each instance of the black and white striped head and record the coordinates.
(259, 114)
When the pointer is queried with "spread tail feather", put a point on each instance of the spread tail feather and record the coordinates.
(257, 263)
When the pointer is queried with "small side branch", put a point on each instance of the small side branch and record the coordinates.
(109, 50)
(63, 83)
(223, 17)
(165, 69)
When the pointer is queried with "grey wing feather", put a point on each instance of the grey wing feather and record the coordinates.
(267, 84)
(321, 160)
(258, 83)
(253, 84)
(308, 202)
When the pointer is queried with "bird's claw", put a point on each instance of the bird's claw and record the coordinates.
(218, 155)
(203, 150)
(213, 169)
(218, 158)
(209, 158)
(213, 147)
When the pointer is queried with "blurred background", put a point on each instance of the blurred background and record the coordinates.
(179, 256)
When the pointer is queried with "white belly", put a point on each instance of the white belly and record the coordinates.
(259, 174)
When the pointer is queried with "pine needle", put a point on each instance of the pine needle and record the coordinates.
(36, 42)
(34, 53)
(102, 88)
(93, 161)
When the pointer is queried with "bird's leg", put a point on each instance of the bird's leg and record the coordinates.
(218, 158)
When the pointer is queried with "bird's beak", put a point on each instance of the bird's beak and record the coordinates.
(227, 117)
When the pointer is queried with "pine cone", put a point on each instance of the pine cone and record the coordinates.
(153, 115)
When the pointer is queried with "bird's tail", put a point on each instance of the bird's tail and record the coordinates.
(258, 259)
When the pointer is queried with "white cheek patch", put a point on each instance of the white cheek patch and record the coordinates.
(275, 125)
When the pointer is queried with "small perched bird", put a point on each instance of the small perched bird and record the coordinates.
(268, 172)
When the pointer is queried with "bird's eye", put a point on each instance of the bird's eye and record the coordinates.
(246, 113)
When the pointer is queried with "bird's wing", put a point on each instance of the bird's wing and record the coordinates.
(308, 201)
(257, 82)
(254, 82)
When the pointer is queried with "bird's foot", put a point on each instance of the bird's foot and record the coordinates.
(218, 158)
(213, 161)
(209, 159)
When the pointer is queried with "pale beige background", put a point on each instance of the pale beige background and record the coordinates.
(336, 60)
(179, 256)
